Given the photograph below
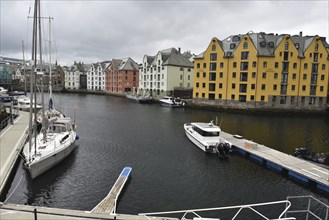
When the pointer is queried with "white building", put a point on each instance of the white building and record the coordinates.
(96, 76)
(73, 75)
(160, 74)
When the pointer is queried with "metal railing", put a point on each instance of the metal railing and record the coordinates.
(307, 208)
(238, 209)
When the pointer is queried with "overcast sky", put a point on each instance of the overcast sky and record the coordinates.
(93, 31)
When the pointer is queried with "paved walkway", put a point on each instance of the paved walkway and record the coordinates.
(12, 141)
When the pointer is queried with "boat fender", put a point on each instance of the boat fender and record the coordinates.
(77, 137)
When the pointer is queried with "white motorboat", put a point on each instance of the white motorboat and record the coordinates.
(23, 103)
(143, 99)
(57, 136)
(206, 136)
(169, 101)
(3, 91)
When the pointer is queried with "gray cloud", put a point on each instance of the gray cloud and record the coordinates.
(92, 31)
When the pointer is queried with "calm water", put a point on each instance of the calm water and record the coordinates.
(169, 172)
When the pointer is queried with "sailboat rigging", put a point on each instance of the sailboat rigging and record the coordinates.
(56, 139)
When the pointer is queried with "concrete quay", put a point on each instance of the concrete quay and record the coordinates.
(12, 140)
(301, 170)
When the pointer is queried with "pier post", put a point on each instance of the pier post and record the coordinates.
(35, 214)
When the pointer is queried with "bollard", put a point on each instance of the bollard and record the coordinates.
(35, 214)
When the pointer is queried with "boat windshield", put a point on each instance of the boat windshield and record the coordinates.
(206, 133)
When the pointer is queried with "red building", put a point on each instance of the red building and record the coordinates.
(122, 75)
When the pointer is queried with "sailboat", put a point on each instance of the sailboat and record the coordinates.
(57, 136)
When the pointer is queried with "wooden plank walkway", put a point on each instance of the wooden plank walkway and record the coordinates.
(296, 167)
(12, 140)
(108, 204)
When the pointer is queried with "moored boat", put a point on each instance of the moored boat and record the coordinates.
(143, 99)
(206, 136)
(169, 101)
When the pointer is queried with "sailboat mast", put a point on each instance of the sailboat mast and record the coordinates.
(50, 75)
(24, 66)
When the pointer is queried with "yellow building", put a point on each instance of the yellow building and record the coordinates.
(263, 70)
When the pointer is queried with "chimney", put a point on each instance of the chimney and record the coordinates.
(179, 49)
(300, 33)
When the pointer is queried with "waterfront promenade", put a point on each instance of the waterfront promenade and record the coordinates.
(12, 140)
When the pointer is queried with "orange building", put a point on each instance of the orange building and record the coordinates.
(122, 76)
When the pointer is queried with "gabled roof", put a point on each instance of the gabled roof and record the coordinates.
(172, 57)
(128, 64)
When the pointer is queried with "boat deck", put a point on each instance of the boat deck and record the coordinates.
(300, 169)
(108, 204)
(11, 143)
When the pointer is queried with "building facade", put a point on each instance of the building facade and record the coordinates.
(76, 75)
(122, 76)
(160, 74)
(264, 70)
(96, 76)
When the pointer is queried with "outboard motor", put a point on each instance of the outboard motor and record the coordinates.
(227, 148)
(221, 151)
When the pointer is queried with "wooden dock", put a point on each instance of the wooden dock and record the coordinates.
(109, 203)
(12, 140)
(299, 169)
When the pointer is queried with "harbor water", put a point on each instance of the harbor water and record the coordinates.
(168, 171)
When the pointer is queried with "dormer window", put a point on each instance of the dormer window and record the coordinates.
(232, 46)
(213, 48)
(262, 44)
(236, 39)
(245, 45)
(297, 45)
(271, 44)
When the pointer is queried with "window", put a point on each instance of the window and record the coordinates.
(243, 77)
(197, 74)
(220, 85)
(254, 64)
(262, 98)
(321, 88)
(232, 97)
(221, 65)
(274, 87)
(323, 66)
(293, 87)
(264, 75)
(253, 86)
(303, 87)
(234, 64)
(204, 65)
(244, 55)
(263, 86)
(232, 45)
(275, 75)
(213, 56)
(252, 98)
(295, 65)
(305, 66)
(233, 85)
(203, 85)
(243, 88)
(276, 64)
(219, 96)
(213, 48)
(233, 74)
(204, 75)
(221, 75)
(294, 76)
(283, 100)
(245, 45)
(244, 66)
(286, 46)
(213, 66)
(316, 47)
(212, 76)
(198, 65)
(253, 75)
(212, 87)
(292, 99)
(304, 76)
(322, 77)
(264, 64)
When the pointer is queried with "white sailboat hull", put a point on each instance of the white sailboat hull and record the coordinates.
(45, 161)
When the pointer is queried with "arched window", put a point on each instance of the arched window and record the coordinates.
(245, 45)
(316, 47)
(213, 48)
